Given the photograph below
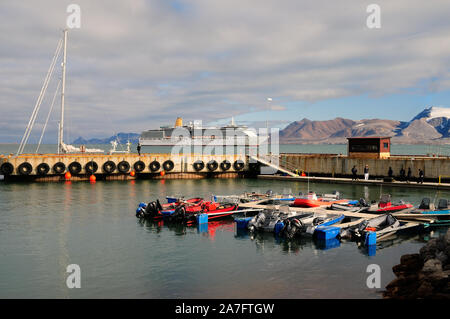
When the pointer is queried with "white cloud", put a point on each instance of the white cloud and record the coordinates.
(137, 64)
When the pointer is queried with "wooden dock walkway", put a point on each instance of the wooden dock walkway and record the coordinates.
(370, 182)
(357, 217)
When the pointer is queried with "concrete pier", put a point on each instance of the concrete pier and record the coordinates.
(330, 168)
(122, 166)
(335, 165)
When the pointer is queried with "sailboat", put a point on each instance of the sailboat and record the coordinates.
(62, 147)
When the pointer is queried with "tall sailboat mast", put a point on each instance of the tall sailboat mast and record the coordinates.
(63, 88)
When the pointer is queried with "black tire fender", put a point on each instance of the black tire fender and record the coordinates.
(91, 167)
(198, 165)
(238, 165)
(123, 167)
(25, 168)
(43, 169)
(168, 165)
(154, 166)
(139, 166)
(7, 168)
(212, 165)
(225, 165)
(74, 168)
(109, 167)
(59, 168)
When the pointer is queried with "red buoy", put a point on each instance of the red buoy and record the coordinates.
(132, 173)
(67, 176)
(92, 178)
(162, 173)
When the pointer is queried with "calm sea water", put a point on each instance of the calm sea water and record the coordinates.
(44, 227)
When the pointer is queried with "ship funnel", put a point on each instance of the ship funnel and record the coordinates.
(179, 122)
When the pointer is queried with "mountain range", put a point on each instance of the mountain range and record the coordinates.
(432, 125)
(122, 138)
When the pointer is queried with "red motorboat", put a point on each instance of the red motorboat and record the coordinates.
(187, 214)
(155, 210)
(312, 200)
(386, 206)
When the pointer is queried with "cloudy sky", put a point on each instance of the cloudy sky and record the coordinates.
(138, 64)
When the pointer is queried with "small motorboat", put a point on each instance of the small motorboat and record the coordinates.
(254, 196)
(188, 214)
(382, 224)
(267, 220)
(313, 200)
(155, 210)
(426, 207)
(385, 205)
(436, 215)
(307, 225)
(350, 206)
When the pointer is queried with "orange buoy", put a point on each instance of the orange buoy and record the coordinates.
(132, 173)
(67, 176)
(162, 173)
(92, 178)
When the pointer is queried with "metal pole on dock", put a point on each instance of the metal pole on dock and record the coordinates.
(63, 88)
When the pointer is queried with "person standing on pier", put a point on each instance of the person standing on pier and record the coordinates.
(402, 174)
(390, 172)
(354, 171)
(421, 175)
(366, 172)
(408, 176)
(139, 149)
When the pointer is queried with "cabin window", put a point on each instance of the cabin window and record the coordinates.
(363, 148)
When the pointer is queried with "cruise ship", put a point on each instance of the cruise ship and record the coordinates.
(194, 134)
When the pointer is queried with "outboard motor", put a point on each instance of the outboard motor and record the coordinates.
(425, 203)
(363, 203)
(140, 210)
(179, 215)
(361, 227)
(158, 205)
(291, 228)
(442, 204)
(256, 222)
(150, 210)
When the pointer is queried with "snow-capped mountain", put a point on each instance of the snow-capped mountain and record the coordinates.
(432, 113)
(430, 125)
(432, 118)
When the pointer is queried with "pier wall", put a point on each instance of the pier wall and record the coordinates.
(340, 166)
(181, 166)
(313, 164)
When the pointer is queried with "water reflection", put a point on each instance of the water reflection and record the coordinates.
(180, 229)
(265, 241)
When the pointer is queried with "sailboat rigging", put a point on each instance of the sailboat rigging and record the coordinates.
(62, 147)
